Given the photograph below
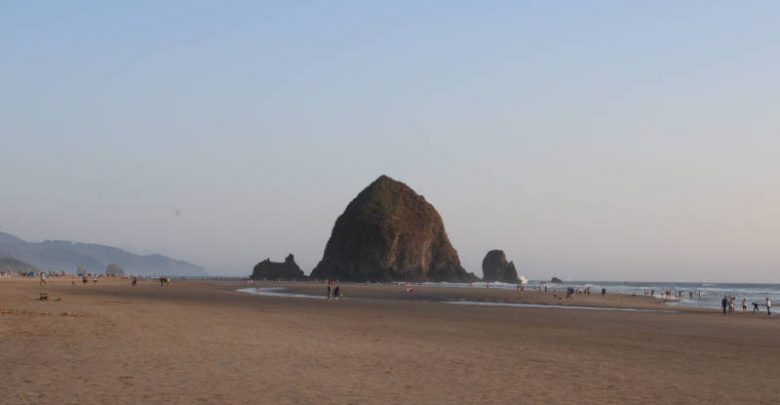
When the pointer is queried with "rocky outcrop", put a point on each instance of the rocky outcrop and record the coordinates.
(268, 270)
(389, 232)
(9, 265)
(496, 268)
(556, 280)
(115, 270)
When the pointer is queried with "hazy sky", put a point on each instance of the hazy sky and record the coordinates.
(626, 140)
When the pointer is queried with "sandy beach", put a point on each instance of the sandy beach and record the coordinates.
(204, 342)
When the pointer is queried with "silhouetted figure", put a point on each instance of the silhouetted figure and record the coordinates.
(768, 306)
(603, 291)
(725, 303)
(337, 293)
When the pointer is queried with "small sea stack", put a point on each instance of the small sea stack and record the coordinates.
(287, 270)
(496, 268)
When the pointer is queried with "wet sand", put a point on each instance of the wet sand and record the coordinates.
(204, 342)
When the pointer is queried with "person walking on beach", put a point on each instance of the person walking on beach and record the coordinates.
(43, 279)
(768, 306)
(744, 305)
(725, 303)
(328, 296)
(732, 304)
(755, 307)
(337, 293)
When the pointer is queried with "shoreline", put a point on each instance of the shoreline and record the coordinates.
(284, 292)
(433, 293)
(636, 301)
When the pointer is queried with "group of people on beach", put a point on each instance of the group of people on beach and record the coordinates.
(164, 281)
(670, 294)
(571, 291)
(84, 280)
(729, 304)
(334, 292)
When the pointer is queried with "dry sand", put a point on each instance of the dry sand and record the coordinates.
(203, 342)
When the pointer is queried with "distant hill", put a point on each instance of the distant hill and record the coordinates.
(59, 255)
(11, 265)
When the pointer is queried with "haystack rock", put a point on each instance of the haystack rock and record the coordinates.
(115, 270)
(496, 268)
(389, 232)
(288, 270)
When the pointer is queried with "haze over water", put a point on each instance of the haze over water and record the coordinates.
(598, 140)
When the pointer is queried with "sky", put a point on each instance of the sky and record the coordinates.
(591, 140)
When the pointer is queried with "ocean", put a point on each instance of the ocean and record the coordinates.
(703, 295)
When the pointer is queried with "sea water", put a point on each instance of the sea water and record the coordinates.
(705, 295)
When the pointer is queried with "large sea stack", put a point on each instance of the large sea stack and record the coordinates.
(496, 268)
(389, 232)
(269, 270)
